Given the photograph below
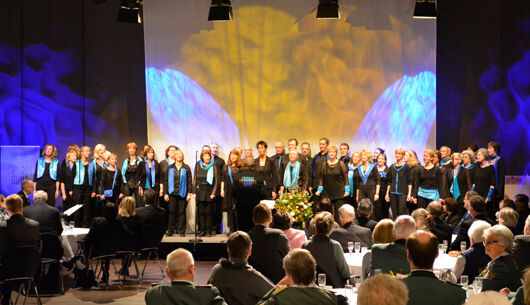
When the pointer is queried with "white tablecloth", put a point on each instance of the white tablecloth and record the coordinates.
(69, 239)
(351, 295)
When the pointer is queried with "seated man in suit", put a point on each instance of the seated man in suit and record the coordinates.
(3, 211)
(181, 271)
(392, 257)
(153, 221)
(424, 287)
(521, 248)
(237, 281)
(27, 189)
(364, 212)
(300, 288)
(477, 210)
(382, 289)
(46, 215)
(269, 246)
(348, 231)
(19, 245)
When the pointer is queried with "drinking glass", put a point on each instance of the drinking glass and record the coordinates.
(464, 281)
(477, 285)
(72, 224)
(463, 246)
(357, 247)
(364, 249)
(350, 247)
(444, 247)
(440, 248)
(321, 279)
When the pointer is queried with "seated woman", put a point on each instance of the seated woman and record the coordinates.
(327, 252)
(474, 259)
(425, 221)
(383, 234)
(324, 205)
(451, 215)
(501, 272)
(131, 222)
(283, 221)
(509, 218)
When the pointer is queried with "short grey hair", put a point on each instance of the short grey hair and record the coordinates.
(346, 211)
(509, 217)
(488, 298)
(476, 230)
(470, 154)
(40, 196)
(404, 226)
(382, 289)
(365, 207)
(502, 234)
(179, 262)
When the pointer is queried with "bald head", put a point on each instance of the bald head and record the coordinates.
(180, 265)
(279, 147)
(404, 226)
(435, 209)
(422, 250)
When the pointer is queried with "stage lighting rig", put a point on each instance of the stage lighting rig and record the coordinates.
(425, 9)
(220, 10)
(328, 9)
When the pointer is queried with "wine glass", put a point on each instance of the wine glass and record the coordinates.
(321, 279)
(350, 247)
(444, 246)
(463, 246)
(477, 285)
(357, 247)
(464, 281)
(440, 248)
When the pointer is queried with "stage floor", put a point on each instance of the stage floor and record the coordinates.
(209, 248)
(216, 239)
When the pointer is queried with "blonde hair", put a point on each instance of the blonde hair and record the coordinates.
(458, 156)
(127, 207)
(400, 151)
(69, 154)
(425, 217)
(333, 147)
(429, 152)
(509, 217)
(74, 148)
(368, 154)
(97, 148)
(383, 232)
(109, 155)
(54, 151)
(382, 289)
(413, 162)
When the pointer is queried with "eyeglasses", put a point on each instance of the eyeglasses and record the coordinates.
(490, 242)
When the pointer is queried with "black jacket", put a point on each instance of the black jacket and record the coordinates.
(47, 217)
(269, 247)
(464, 227)
(354, 233)
(153, 225)
(19, 232)
(521, 252)
(25, 199)
(106, 237)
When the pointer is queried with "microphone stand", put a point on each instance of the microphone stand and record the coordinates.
(197, 238)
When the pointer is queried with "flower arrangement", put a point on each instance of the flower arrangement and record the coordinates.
(296, 202)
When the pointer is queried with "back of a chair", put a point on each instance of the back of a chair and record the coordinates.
(50, 246)
(20, 262)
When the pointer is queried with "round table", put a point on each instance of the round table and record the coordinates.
(69, 239)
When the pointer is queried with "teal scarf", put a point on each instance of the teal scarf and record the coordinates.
(290, 179)
(41, 166)
(209, 175)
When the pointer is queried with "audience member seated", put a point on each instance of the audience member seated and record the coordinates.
(451, 216)
(477, 211)
(19, 245)
(324, 205)
(488, 298)
(509, 218)
(3, 211)
(269, 246)
(300, 288)
(382, 289)
(131, 222)
(521, 248)
(364, 212)
(283, 221)
(46, 215)
(27, 189)
(501, 271)
(436, 210)
(521, 205)
(392, 257)
(181, 271)
(466, 215)
(522, 295)
(350, 232)
(425, 221)
(153, 221)
(473, 260)
(237, 281)
(328, 253)
(507, 203)
(424, 287)
(382, 235)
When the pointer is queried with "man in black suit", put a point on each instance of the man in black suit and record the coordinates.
(153, 221)
(218, 200)
(444, 230)
(364, 212)
(348, 231)
(27, 189)
(477, 210)
(280, 159)
(269, 246)
(521, 248)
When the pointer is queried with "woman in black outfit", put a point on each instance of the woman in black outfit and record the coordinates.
(177, 192)
(368, 181)
(148, 173)
(129, 175)
(110, 183)
(381, 206)
(266, 167)
(497, 162)
(399, 188)
(458, 180)
(412, 160)
(484, 179)
(353, 165)
(232, 166)
(67, 181)
(47, 173)
(428, 181)
(85, 175)
(468, 161)
(334, 182)
(132, 223)
(204, 188)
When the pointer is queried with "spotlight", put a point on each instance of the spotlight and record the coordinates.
(425, 9)
(328, 9)
(130, 11)
(221, 10)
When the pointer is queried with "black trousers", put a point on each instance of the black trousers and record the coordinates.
(177, 214)
(381, 208)
(127, 191)
(398, 204)
(50, 190)
(84, 215)
(206, 211)
(218, 216)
